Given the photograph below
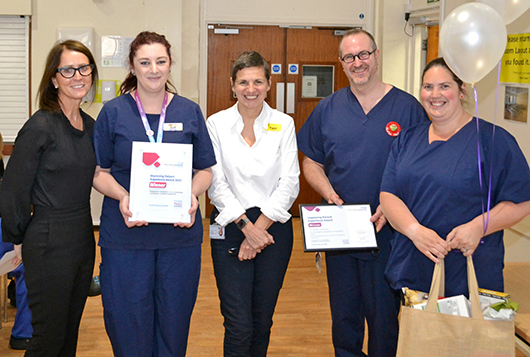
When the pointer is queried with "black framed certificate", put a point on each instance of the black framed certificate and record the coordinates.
(331, 227)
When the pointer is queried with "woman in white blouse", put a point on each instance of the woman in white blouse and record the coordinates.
(255, 182)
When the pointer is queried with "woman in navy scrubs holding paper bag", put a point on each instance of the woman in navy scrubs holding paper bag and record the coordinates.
(255, 182)
(149, 272)
(432, 194)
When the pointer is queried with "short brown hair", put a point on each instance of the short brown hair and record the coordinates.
(250, 59)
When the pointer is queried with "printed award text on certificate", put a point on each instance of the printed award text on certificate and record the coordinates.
(161, 176)
(330, 227)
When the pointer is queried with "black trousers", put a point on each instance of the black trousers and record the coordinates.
(58, 253)
(249, 289)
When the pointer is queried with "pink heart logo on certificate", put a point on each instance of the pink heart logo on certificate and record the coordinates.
(149, 158)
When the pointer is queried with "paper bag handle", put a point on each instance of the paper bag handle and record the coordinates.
(438, 283)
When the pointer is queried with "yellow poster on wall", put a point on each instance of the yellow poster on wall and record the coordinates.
(516, 59)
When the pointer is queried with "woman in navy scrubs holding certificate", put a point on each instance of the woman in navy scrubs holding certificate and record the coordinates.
(255, 182)
(149, 272)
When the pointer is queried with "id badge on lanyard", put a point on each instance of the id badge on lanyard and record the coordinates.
(150, 133)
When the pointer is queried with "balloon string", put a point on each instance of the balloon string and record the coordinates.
(493, 140)
(484, 217)
(485, 210)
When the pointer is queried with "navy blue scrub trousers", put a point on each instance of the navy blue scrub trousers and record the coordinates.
(22, 327)
(358, 290)
(148, 296)
(249, 289)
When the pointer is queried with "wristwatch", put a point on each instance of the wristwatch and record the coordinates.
(242, 223)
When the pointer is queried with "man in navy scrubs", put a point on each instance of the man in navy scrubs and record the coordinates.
(346, 141)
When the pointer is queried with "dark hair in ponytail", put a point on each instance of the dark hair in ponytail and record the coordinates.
(145, 38)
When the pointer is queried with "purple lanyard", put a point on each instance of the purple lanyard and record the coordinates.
(161, 121)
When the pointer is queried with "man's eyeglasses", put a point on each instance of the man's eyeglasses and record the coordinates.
(69, 72)
(364, 55)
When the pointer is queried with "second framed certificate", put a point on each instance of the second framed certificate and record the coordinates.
(330, 227)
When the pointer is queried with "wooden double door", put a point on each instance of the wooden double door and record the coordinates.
(305, 67)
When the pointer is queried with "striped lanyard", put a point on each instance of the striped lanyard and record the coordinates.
(161, 121)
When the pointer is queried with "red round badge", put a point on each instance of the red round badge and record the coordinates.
(393, 128)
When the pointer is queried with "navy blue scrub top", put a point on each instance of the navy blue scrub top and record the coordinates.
(117, 126)
(353, 146)
(439, 183)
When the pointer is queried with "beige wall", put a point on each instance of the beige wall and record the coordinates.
(190, 49)
(15, 7)
(292, 12)
(450, 5)
(108, 17)
(393, 43)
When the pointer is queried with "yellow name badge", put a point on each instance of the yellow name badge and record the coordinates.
(173, 127)
(274, 127)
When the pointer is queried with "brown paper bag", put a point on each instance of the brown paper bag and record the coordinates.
(432, 334)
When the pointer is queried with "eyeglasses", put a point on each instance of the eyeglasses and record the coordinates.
(69, 72)
(363, 56)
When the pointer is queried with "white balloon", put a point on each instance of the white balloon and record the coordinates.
(509, 10)
(472, 40)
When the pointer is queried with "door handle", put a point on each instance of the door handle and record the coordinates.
(290, 98)
(280, 96)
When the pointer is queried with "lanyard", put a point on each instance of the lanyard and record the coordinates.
(161, 121)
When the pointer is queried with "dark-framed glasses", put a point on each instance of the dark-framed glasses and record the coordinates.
(69, 72)
(363, 56)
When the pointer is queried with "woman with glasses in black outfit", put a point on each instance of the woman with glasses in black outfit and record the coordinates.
(50, 173)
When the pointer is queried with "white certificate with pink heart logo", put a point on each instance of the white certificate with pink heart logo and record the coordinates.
(161, 175)
(330, 227)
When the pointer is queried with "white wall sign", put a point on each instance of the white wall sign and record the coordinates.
(115, 51)
(309, 86)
